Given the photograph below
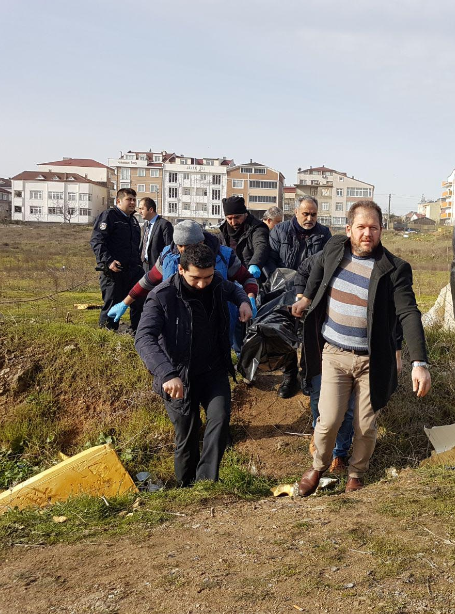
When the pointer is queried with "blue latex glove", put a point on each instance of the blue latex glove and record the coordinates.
(255, 271)
(117, 311)
(254, 309)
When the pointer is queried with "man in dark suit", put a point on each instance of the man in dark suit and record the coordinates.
(157, 233)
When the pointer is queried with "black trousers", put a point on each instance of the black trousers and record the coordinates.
(114, 288)
(290, 369)
(212, 391)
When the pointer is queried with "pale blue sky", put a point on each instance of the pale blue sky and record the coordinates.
(365, 87)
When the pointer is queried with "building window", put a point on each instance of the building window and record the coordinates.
(141, 187)
(216, 179)
(216, 210)
(124, 184)
(246, 169)
(186, 176)
(259, 170)
(201, 191)
(154, 172)
(216, 194)
(349, 204)
(237, 183)
(55, 196)
(339, 221)
(172, 177)
(264, 185)
(186, 191)
(17, 209)
(359, 192)
(173, 192)
(153, 188)
(261, 199)
(130, 157)
(338, 206)
(186, 207)
(202, 207)
(209, 163)
(85, 212)
(182, 161)
(85, 197)
(71, 196)
(203, 177)
(326, 192)
(36, 210)
(325, 220)
(55, 210)
(142, 157)
(340, 179)
(172, 208)
(17, 193)
(339, 191)
(157, 158)
(125, 174)
(36, 195)
(141, 172)
(325, 206)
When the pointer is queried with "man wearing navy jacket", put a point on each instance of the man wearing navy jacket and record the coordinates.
(183, 339)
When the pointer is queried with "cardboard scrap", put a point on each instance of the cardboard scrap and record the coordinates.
(442, 437)
(96, 471)
(87, 306)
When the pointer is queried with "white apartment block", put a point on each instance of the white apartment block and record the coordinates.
(335, 192)
(193, 188)
(56, 197)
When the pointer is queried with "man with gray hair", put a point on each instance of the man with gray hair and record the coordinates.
(272, 217)
(291, 243)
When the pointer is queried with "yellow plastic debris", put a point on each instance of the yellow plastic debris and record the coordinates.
(284, 490)
(96, 471)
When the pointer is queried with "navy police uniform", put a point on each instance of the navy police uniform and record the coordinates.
(117, 236)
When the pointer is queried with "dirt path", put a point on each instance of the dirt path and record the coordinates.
(322, 554)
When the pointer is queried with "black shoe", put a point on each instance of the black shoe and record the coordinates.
(288, 388)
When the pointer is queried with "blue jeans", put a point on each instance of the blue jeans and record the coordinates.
(236, 329)
(346, 432)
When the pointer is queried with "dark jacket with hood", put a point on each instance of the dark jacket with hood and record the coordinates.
(253, 244)
(286, 250)
(164, 336)
(390, 297)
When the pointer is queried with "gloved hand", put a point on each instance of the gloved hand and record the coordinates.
(254, 309)
(117, 311)
(254, 270)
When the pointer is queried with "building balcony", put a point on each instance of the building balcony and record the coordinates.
(446, 215)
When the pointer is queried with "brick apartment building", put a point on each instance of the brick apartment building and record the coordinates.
(261, 186)
(335, 191)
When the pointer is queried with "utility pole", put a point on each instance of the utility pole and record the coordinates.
(388, 216)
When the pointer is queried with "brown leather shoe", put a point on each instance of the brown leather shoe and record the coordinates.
(309, 482)
(339, 465)
(353, 484)
(311, 446)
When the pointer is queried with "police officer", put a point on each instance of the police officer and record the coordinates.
(116, 238)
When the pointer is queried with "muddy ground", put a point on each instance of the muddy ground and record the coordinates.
(272, 556)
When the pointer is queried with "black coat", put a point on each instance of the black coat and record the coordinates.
(162, 233)
(116, 236)
(253, 245)
(285, 246)
(163, 338)
(390, 296)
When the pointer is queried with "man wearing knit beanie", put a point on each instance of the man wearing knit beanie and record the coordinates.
(187, 233)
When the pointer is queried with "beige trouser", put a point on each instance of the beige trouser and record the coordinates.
(343, 371)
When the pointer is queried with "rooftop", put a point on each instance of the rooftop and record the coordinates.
(87, 162)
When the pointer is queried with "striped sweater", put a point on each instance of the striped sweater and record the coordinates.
(345, 323)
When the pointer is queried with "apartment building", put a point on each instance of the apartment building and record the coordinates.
(57, 197)
(85, 167)
(289, 200)
(5, 199)
(447, 217)
(142, 171)
(335, 192)
(193, 188)
(431, 209)
(261, 186)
